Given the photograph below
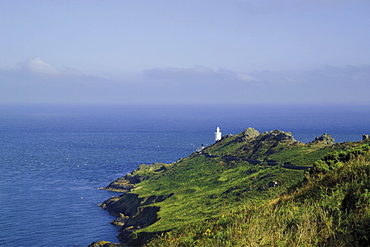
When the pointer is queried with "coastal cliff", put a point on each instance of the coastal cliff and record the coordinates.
(143, 172)
(223, 177)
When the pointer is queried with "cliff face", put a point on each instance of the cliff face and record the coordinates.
(133, 213)
(230, 173)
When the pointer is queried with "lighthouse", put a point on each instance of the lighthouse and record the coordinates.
(218, 134)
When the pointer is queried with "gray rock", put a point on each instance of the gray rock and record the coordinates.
(325, 139)
(250, 133)
(278, 135)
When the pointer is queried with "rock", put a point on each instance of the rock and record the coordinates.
(325, 139)
(123, 184)
(104, 244)
(247, 135)
(121, 220)
(250, 133)
(278, 135)
(143, 172)
(365, 137)
(133, 213)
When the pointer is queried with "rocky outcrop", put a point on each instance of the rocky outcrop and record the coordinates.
(128, 204)
(104, 244)
(365, 137)
(123, 184)
(121, 220)
(249, 133)
(324, 139)
(246, 135)
(256, 145)
(143, 172)
(278, 135)
(133, 212)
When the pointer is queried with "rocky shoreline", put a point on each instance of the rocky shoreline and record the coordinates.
(132, 212)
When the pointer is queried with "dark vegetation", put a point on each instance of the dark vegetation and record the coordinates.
(240, 192)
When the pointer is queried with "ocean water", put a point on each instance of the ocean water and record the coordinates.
(54, 158)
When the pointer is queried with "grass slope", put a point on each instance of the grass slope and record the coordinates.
(329, 207)
(230, 192)
(207, 185)
(205, 188)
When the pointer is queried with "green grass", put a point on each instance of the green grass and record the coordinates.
(232, 201)
(301, 155)
(145, 171)
(330, 207)
(225, 147)
(205, 188)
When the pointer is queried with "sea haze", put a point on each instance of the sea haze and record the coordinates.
(54, 158)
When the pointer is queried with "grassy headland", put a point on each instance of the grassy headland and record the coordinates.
(250, 189)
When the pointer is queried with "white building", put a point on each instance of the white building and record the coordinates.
(218, 134)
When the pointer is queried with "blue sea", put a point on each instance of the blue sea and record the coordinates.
(53, 158)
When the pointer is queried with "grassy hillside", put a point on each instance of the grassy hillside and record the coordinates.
(330, 207)
(231, 193)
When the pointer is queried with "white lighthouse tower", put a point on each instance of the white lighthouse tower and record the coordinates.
(218, 134)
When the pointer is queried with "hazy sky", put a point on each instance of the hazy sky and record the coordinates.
(169, 52)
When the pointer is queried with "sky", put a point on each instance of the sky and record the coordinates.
(185, 52)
